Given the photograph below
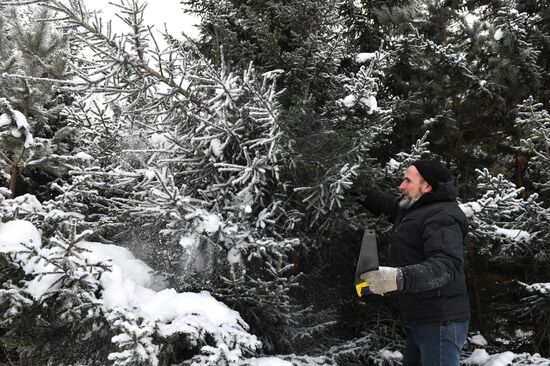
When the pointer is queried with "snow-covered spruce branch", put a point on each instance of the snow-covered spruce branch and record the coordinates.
(329, 193)
(505, 226)
(36, 78)
(20, 2)
(397, 166)
(76, 18)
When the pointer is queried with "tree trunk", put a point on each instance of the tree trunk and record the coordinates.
(15, 170)
(13, 177)
(521, 168)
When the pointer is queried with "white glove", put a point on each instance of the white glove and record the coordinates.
(381, 280)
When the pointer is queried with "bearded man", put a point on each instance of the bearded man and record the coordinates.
(427, 255)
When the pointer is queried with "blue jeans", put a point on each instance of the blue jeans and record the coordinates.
(435, 344)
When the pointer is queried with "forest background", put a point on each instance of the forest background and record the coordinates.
(234, 164)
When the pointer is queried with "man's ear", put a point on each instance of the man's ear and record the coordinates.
(426, 188)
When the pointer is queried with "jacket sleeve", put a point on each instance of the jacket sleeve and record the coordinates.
(444, 252)
(381, 203)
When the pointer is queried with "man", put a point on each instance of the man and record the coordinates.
(427, 252)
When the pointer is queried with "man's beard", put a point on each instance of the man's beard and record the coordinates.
(407, 202)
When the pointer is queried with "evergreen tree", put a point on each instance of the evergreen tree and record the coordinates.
(324, 112)
(508, 243)
(52, 299)
(31, 60)
(195, 171)
(460, 69)
(534, 124)
(233, 165)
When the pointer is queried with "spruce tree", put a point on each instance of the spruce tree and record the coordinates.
(31, 60)
(533, 122)
(507, 252)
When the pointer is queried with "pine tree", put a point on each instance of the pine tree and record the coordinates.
(31, 60)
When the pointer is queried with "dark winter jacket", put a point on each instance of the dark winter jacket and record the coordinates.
(428, 246)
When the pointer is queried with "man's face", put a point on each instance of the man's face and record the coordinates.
(412, 187)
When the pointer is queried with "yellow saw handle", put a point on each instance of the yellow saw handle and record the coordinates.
(360, 286)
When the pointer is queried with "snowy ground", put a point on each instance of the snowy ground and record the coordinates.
(131, 284)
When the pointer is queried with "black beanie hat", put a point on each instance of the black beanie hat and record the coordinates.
(432, 171)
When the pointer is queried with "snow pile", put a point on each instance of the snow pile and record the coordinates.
(26, 203)
(130, 300)
(481, 357)
(18, 235)
(501, 359)
(478, 357)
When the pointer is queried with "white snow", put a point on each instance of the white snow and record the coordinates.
(498, 34)
(478, 357)
(15, 132)
(234, 255)
(364, 57)
(211, 223)
(22, 126)
(501, 359)
(20, 120)
(268, 361)
(4, 120)
(84, 156)
(187, 241)
(149, 174)
(391, 355)
(14, 233)
(216, 147)
(371, 103)
(29, 139)
(541, 288)
(470, 208)
(392, 165)
(470, 18)
(349, 101)
(160, 140)
(208, 222)
(429, 121)
(128, 285)
(131, 284)
(515, 235)
(172, 307)
(25, 203)
(478, 340)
